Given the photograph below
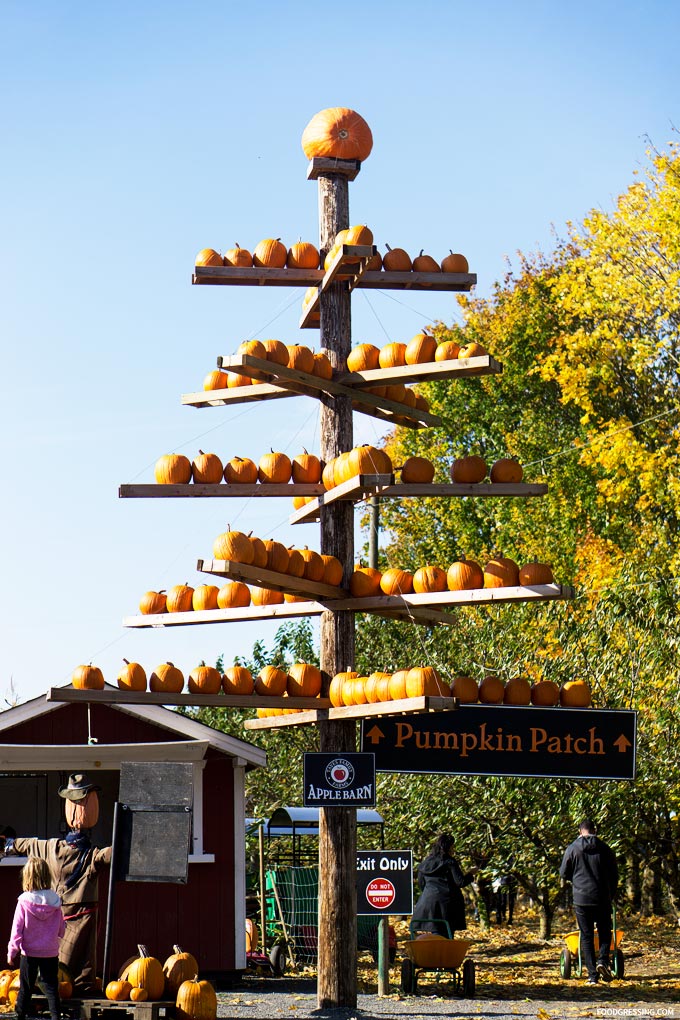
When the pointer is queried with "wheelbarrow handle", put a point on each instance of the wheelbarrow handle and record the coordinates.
(430, 920)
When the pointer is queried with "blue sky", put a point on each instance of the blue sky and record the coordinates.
(136, 134)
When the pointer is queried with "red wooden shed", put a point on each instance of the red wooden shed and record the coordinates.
(42, 742)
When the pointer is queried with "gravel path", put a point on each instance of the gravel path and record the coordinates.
(269, 999)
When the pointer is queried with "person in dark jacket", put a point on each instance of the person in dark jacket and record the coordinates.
(441, 879)
(590, 865)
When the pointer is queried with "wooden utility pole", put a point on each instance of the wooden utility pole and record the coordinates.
(337, 963)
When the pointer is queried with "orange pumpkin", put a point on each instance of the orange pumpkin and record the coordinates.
(233, 595)
(270, 253)
(364, 582)
(204, 597)
(306, 468)
(420, 349)
(575, 694)
(507, 469)
(397, 685)
(392, 356)
(417, 470)
(277, 556)
(361, 234)
(396, 582)
(238, 256)
(302, 255)
(491, 690)
(238, 680)
(180, 598)
(473, 350)
(314, 565)
(274, 468)
(235, 379)
(271, 681)
(146, 972)
(296, 563)
(454, 263)
(332, 570)
(447, 351)
(259, 550)
(535, 573)
(465, 689)
(517, 691)
(215, 380)
(468, 470)
(166, 679)
(178, 967)
(234, 546)
(88, 678)
(338, 133)
(322, 366)
(423, 681)
(153, 602)
(276, 351)
(266, 596)
(304, 680)
(336, 687)
(501, 572)
(138, 994)
(172, 469)
(204, 680)
(429, 578)
(132, 677)
(425, 264)
(208, 257)
(545, 692)
(363, 357)
(118, 991)
(207, 469)
(396, 260)
(464, 575)
(240, 471)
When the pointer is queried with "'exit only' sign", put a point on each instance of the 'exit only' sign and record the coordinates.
(506, 741)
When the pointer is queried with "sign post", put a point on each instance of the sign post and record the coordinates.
(489, 740)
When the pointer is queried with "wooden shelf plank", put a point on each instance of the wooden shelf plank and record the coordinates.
(405, 706)
(349, 264)
(323, 166)
(287, 382)
(373, 280)
(111, 696)
(156, 491)
(429, 608)
(429, 371)
(284, 611)
(264, 578)
(364, 486)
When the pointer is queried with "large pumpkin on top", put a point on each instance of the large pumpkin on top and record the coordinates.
(337, 133)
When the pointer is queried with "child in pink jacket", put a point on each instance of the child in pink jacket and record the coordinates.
(37, 927)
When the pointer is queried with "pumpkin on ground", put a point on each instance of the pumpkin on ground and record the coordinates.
(196, 1000)
(88, 678)
(178, 968)
(146, 972)
(172, 469)
(139, 995)
(339, 133)
(118, 991)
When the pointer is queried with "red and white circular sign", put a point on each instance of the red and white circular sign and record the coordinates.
(380, 893)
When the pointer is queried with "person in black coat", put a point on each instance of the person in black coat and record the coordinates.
(441, 879)
(590, 865)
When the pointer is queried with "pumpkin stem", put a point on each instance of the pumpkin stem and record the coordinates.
(143, 951)
(388, 247)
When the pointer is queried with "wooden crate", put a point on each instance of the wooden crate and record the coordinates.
(106, 1009)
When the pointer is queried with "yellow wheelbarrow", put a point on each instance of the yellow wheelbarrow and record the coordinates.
(571, 959)
(436, 952)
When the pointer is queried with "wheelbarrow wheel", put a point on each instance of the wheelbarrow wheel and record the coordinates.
(278, 957)
(408, 977)
(565, 963)
(619, 966)
(469, 980)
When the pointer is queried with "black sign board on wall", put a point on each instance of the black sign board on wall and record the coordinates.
(153, 819)
(503, 740)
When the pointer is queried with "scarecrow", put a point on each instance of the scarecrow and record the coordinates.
(75, 864)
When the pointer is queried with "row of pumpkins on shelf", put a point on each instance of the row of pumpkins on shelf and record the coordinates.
(301, 681)
(272, 253)
(350, 688)
(306, 468)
